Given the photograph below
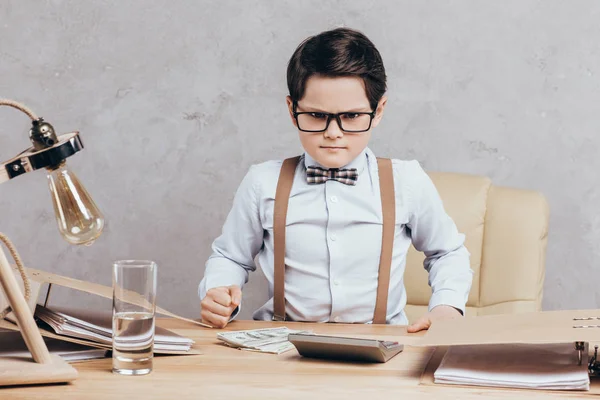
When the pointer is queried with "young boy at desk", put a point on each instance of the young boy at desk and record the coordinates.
(333, 258)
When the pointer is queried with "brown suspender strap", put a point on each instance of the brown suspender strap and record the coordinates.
(388, 207)
(388, 211)
(282, 197)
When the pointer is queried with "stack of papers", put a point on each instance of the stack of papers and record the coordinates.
(97, 327)
(537, 366)
(269, 340)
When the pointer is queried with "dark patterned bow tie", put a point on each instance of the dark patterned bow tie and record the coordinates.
(321, 175)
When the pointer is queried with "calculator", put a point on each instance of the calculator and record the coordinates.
(344, 348)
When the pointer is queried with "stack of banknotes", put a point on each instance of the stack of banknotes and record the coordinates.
(269, 340)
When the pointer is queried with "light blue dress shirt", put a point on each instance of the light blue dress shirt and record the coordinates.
(333, 242)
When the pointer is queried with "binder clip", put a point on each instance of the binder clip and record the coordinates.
(594, 365)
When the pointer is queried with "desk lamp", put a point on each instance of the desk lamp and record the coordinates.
(79, 222)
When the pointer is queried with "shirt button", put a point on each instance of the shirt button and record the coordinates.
(336, 282)
(334, 199)
(337, 319)
(333, 237)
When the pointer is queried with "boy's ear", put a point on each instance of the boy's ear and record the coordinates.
(290, 104)
(379, 113)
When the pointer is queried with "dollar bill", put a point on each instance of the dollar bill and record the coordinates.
(274, 348)
(268, 340)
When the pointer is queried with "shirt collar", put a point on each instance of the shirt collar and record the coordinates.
(359, 162)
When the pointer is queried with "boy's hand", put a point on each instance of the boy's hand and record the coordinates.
(219, 303)
(438, 313)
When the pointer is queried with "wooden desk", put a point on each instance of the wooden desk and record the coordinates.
(227, 373)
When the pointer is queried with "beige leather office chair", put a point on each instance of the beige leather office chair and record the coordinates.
(506, 233)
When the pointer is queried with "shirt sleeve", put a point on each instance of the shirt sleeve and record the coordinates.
(241, 238)
(434, 233)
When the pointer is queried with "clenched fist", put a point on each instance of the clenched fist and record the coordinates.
(219, 303)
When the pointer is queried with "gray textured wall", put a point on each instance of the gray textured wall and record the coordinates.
(175, 99)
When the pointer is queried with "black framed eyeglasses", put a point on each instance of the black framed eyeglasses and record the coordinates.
(316, 121)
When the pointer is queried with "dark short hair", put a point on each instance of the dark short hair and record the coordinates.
(334, 53)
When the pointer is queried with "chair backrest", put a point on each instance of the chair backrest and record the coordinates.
(506, 233)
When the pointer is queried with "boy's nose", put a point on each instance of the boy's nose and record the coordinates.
(333, 130)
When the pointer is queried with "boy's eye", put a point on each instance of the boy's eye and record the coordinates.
(350, 115)
(317, 115)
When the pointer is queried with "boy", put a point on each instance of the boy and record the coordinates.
(333, 247)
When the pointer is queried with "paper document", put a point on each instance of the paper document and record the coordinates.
(269, 340)
(97, 327)
(545, 366)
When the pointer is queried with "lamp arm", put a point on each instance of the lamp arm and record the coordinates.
(19, 106)
(4, 238)
(15, 255)
(29, 330)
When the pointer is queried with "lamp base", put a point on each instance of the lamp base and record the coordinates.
(24, 371)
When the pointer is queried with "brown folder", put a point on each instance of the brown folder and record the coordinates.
(578, 327)
(538, 327)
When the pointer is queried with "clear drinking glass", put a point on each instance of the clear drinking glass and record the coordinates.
(134, 304)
